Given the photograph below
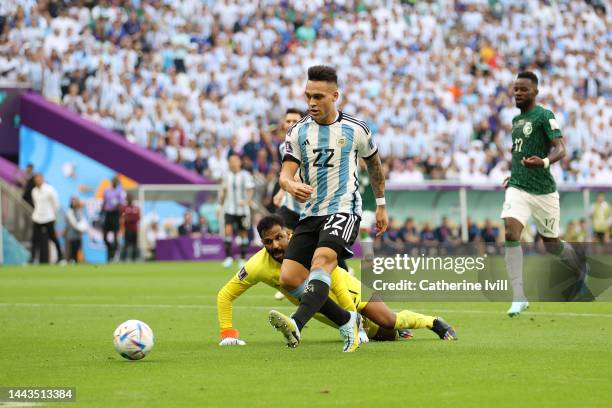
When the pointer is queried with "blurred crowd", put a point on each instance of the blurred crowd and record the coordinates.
(196, 80)
(486, 235)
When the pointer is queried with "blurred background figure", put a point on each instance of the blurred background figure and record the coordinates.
(28, 184)
(130, 217)
(187, 227)
(154, 232)
(113, 200)
(46, 207)
(203, 229)
(600, 219)
(236, 199)
(76, 225)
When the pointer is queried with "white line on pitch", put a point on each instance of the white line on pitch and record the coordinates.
(183, 306)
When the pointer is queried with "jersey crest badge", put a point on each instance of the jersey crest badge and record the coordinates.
(527, 129)
(341, 142)
(242, 274)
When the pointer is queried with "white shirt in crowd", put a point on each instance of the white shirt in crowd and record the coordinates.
(46, 204)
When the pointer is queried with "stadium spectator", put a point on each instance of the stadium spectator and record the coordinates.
(130, 219)
(474, 234)
(390, 241)
(28, 184)
(490, 236)
(76, 225)
(113, 200)
(154, 232)
(445, 235)
(427, 238)
(584, 230)
(445, 70)
(573, 232)
(408, 235)
(203, 227)
(187, 227)
(73, 101)
(600, 218)
(46, 207)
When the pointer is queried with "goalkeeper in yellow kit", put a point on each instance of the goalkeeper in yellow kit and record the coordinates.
(380, 322)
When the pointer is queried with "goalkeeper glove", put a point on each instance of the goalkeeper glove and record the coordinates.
(230, 341)
(363, 336)
(230, 337)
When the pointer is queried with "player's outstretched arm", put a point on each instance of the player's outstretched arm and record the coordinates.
(377, 181)
(232, 290)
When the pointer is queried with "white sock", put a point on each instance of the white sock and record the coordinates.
(569, 257)
(514, 267)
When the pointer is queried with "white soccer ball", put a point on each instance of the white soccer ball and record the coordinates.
(133, 339)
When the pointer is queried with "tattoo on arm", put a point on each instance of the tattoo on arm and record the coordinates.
(557, 150)
(377, 178)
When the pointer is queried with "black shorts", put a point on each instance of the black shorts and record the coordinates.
(238, 222)
(291, 218)
(111, 220)
(335, 231)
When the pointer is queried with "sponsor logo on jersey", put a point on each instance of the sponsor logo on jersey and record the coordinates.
(527, 129)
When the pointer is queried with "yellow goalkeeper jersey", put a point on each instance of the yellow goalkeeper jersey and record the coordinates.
(345, 289)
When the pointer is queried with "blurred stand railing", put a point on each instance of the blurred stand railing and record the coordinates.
(15, 215)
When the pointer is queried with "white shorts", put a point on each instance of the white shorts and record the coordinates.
(544, 208)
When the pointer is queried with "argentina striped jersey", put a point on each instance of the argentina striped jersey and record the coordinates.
(328, 157)
(236, 186)
(288, 200)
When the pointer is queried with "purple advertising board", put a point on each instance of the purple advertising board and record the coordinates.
(204, 249)
(108, 148)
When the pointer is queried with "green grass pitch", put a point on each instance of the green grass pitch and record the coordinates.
(57, 324)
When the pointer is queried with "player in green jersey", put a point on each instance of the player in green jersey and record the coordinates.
(531, 190)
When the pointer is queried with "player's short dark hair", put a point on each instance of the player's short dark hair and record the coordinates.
(322, 73)
(529, 75)
(268, 222)
(294, 110)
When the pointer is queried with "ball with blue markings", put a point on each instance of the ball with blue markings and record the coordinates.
(133, 339)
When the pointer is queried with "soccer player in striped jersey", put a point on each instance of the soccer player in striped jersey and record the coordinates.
(531, 189)
(236, 199)
(289, 208)
(325, 147)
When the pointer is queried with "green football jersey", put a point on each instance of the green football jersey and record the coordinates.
(532, 133)
(366, 192)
